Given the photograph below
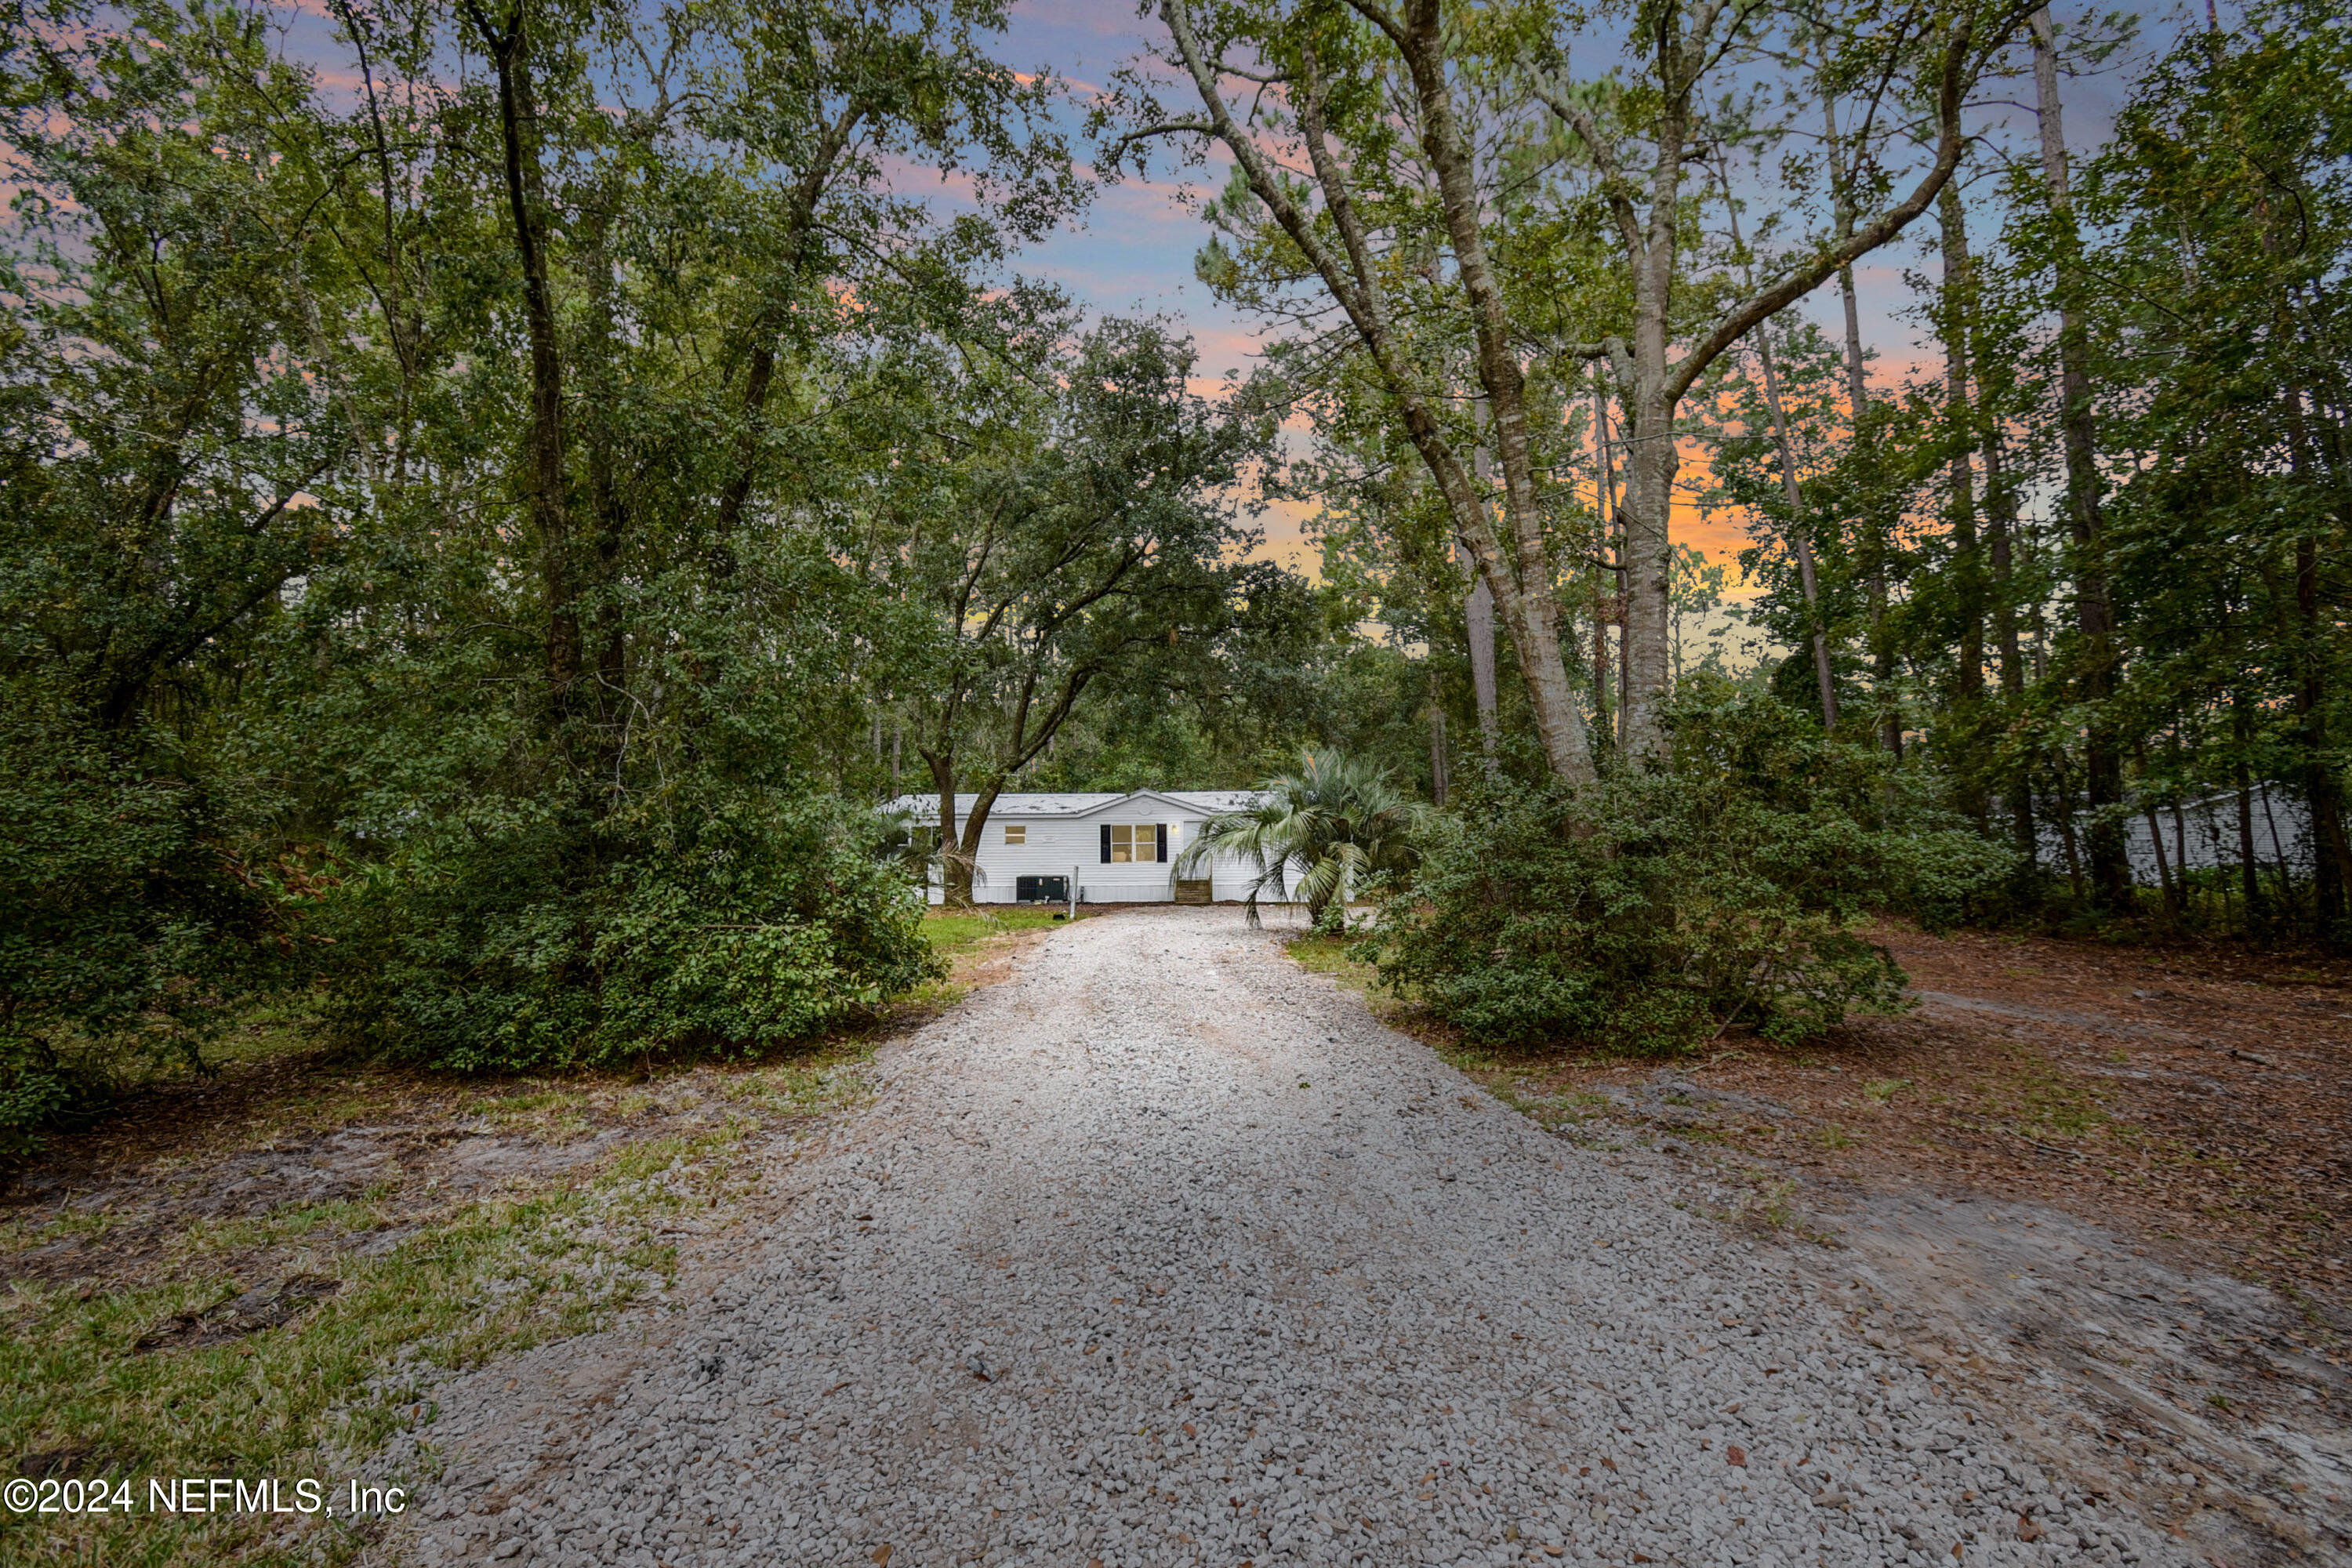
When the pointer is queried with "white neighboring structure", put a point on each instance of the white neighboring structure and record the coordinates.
(1108, 848)
(2204, 833)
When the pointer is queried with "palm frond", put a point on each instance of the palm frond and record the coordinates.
(1310, 832)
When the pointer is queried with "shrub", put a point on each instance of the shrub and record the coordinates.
(128, 932)
(728, 926)
(1727, 880)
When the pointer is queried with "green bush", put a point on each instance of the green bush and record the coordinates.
(129, 933)
(1726, 881)
(726, 927)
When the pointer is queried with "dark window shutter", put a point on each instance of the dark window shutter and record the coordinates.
(1160, 830)
(1106, 844)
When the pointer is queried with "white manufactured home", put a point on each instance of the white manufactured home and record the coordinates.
(1101, 848)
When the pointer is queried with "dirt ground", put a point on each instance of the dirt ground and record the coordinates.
(264, 1270)
(383, 1151)
(2108, 1189)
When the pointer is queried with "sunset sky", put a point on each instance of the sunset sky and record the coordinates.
(1133, 252)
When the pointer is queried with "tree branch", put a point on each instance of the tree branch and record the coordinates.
(1166, 128)
(1614, 183)
(1951, 90)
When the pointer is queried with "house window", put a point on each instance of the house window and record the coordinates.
(1018, 835)
(1123, 844)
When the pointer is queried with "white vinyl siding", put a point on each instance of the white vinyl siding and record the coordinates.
(1061, 836)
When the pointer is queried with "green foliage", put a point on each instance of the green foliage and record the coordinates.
(279, 564)
(152, 445)
(131, 935)
(1329, 828)
(2224, 205)
(1728, 883)
(1068, 540)
(573, 624)
(741, 923)
(2169, 650)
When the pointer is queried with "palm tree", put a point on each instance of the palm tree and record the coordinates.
(1313, 832)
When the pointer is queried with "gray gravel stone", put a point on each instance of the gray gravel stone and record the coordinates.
(1163, 1252)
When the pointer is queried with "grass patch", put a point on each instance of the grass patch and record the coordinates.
(1552, 1109)
(2045, 1102)
(1769, 1206)
(832, 1081)
(293, 1225)
(299, 1339)
(964, 937)
(492, 1277)
(953, 932)
(348, 1313)
(1329, 955)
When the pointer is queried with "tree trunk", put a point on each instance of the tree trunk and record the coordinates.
(1825, 674)
(1651, 464)
(1799, 535)
(2278, 852)
(2163, 874)
(1478, 614)
(1516, 568)
(2249, 866)
(955, 873)
(1612, 540)
(1604, 715)
(800, 226)
(607, 501)
(2242, 737)
(1478, 619)
(1857, 391)
(2103, 766)
(1523, 586)
(1534, 621)
(2331, 860)
(1438, 782)
(975, 823)
(550, 516)
(1966, 569)
(1874, 540)
(2000, 522)
(2181, 840)
(2066, 826)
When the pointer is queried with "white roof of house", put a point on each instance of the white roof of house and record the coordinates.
(1214, 800)
(1083, 803)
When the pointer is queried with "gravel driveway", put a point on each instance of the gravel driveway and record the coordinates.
(1164, 1252)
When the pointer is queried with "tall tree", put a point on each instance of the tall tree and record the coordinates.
(1640, 146)
(2103, 764)
(1338, 228)
(2227, 203)
(1393, 114)
(1083, 540)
